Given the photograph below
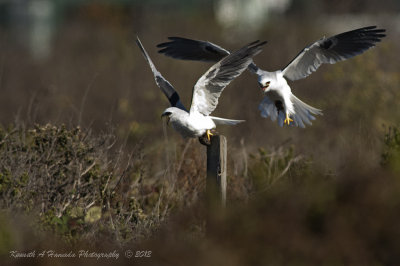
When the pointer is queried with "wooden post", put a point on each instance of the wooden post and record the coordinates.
(216, 172)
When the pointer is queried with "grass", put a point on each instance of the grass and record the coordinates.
(78, 186)
(74, 184)
(79, 189)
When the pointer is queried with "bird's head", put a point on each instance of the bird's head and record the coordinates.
(264, 85)
(168, 113)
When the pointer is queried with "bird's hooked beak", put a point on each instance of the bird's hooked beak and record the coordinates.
(167, 115)
(264, 87)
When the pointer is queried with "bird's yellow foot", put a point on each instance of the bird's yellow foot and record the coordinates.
(209, 134)
(287, 120)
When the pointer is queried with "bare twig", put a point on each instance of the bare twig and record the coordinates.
(187, 145)
(244, 154)
(88, 169)
(85, 94)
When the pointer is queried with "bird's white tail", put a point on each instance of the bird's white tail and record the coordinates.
(224, 121)
(303, 112)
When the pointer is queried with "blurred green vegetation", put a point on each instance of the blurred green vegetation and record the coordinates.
(267, 168)
(77, 186)
(391, 153)
(66, 179)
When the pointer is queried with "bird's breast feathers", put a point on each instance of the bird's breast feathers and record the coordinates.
(193, 125)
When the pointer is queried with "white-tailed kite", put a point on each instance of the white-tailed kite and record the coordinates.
(198, 122)
(279, 102)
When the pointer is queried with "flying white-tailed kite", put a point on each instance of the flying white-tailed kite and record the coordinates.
(198, 122)
(279, 102)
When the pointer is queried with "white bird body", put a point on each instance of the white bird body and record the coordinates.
(189, 125)
(278, 89)
(280, 103)
(278, 96)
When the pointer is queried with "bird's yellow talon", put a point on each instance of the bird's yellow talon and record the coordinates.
(209, 134)
(287, 120)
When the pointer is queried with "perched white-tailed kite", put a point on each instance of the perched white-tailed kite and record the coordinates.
(279, 102)
(198, 122)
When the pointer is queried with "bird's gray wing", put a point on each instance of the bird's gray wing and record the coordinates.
(161, 82)
(187, 49)
(331, 50)
(210, 86)
(196, 50)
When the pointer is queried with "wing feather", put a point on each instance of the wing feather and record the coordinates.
(161, 82)
(187, 49)
(196, 50)
(331, 50)
(210, 86)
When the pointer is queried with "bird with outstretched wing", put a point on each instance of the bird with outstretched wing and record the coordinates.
(197, 122)
(279, 103)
